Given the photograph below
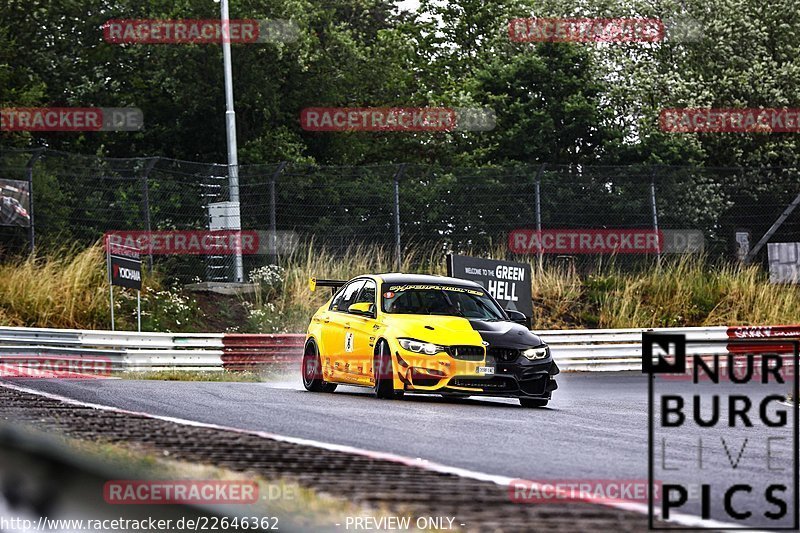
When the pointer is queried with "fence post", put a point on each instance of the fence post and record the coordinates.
(37, 153)
(538, 194)
(771, 231)
(653, 207)
(397, 247)
(273, 224)
(151, 162)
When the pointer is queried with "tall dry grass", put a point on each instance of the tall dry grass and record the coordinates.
(692, 291)
(68, 288)
(558, 295)
(65, 288)
(316, 261)
(686, 290)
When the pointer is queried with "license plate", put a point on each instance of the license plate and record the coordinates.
(485, 370)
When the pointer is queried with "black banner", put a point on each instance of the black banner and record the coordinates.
(507, 281)
(126, 271)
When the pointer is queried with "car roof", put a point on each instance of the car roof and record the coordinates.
(397, 277)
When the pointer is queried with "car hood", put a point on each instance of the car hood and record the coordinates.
(446, 330)
(506, 334)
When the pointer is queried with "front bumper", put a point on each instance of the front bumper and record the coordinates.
(516, 380)
(430, 373)
(442, 374)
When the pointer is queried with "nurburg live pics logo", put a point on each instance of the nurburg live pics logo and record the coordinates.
(722, 447)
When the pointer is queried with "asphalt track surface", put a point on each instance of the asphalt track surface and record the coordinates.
(595, 429)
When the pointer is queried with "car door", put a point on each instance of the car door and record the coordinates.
(359, 337)
(339, 338)
(329, 334)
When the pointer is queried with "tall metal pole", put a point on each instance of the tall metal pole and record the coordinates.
(653, 207)
(273, 224)
(29, 170)
(110, 284)
(397, 247)
(146, 203)
(539, 210)
(230, 128)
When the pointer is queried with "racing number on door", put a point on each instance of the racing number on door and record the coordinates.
(348, 342)
(341, 336)
(358, 343)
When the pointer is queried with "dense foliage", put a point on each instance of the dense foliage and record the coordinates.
(565, 104)
(560, 103)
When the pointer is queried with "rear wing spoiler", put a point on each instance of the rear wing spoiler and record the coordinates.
(334, 284)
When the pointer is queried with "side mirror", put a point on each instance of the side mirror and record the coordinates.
(363, 309)
(518, 318)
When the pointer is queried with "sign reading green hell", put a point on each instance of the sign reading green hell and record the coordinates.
(508, 282)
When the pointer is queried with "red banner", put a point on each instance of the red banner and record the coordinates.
(762, 332)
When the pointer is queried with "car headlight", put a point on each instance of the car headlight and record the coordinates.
(413, 345)
(536, 353)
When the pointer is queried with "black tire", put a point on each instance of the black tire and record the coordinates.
(533, 402)
(312, 370)
(383, 370)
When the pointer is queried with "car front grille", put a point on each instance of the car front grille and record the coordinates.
(496, 383)
(506, 355)
(466, 353)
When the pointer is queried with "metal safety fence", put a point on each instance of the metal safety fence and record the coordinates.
(79, 198)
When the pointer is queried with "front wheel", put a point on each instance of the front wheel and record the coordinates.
(383, 370)
(312, 371)
(533, 402)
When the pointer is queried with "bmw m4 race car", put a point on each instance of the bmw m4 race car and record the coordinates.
(424, 334)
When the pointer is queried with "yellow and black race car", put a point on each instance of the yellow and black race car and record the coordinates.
(424, 334)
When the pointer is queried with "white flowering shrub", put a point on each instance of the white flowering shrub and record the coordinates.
(268, 276)
(264, 319)
(268, 280)
(162, 310)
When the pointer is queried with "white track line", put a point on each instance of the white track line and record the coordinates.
(686, 520)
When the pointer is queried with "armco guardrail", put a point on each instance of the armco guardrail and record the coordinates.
(583, 350)
(241, 352)
(123, 350)
(621, 349)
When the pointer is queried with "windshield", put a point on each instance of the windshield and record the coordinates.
(439, 300)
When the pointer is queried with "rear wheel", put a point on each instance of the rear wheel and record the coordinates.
(383, 370)
(533, 402)
(312, 371)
